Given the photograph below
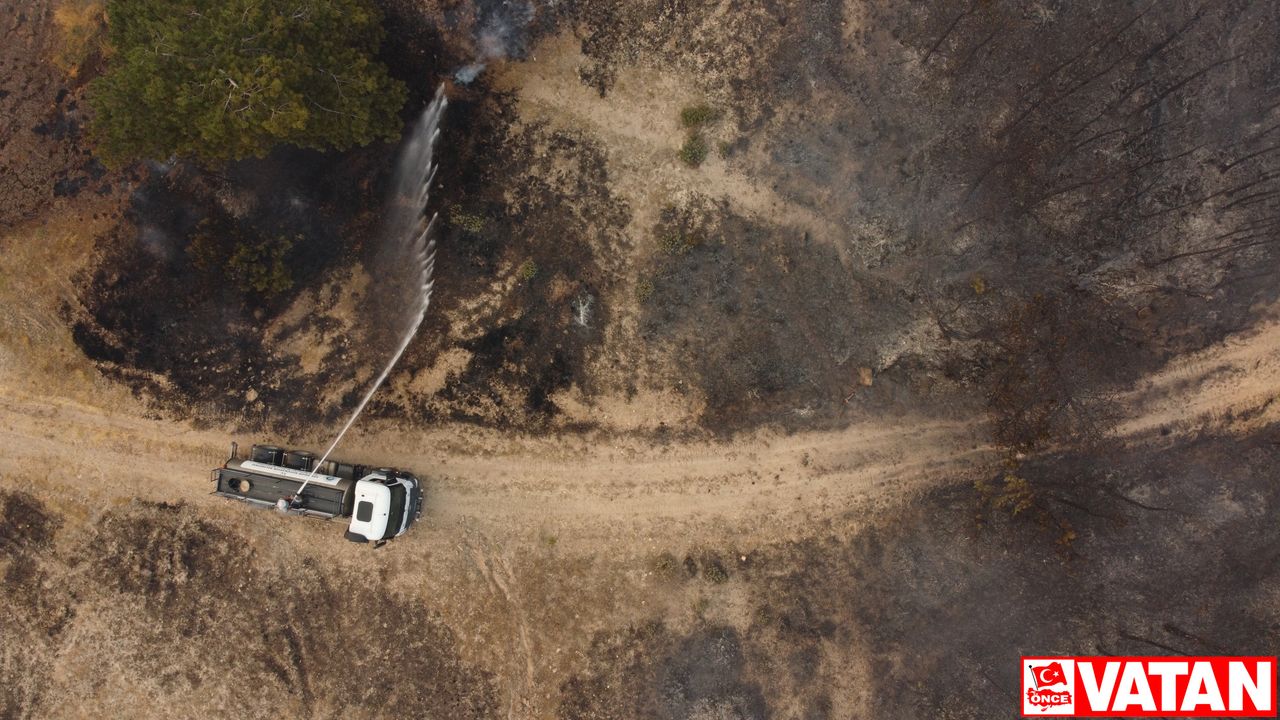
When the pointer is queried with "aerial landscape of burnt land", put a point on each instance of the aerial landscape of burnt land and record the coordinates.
(783, 358)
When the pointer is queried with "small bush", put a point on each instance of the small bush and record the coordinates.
(696, 116)
(255, 264)
(666, 567)
(527, 271)
(260, 267)
(1015, 495)
(713, 571)
(469, 222)
(206, 249)
(694, 151)
(675, 243)
(644, 289)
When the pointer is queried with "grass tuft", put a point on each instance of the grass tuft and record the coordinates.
(528, 270)
(694, 150)
(696, 116)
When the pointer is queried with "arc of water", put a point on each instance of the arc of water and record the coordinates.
(415, 173)
(428, 266)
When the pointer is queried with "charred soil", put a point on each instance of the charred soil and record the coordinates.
(786, 359)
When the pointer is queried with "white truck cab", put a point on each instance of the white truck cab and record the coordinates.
(386, 504)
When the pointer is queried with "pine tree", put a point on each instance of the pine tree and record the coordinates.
(219, 80)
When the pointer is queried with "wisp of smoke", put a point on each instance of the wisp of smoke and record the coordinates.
(468, 73)
(499, 34)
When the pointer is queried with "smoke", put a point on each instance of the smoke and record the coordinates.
(157, 242)
(501, 32)
(468, 73)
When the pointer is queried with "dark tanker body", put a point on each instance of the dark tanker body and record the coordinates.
(381, 502)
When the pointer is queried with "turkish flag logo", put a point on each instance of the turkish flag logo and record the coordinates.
(1049, 675)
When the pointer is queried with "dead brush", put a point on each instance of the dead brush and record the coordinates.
(82, 26)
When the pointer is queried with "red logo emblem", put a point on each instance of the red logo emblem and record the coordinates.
(1049, 687)
(1049, 675)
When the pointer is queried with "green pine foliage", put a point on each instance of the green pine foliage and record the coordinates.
(260, 266)
(218, 80)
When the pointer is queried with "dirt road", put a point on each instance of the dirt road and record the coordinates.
(1233, 384)
(757, 484)
(591, 487)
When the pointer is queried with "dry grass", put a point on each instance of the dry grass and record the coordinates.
(82, 26)
(38, 263)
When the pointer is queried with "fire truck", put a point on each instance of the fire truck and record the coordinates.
(383, 503)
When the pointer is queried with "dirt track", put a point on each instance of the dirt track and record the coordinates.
(1233, 385)
(755, 486)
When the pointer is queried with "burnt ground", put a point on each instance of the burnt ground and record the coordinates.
(207, 618)
(208, 338)
(533, 347)
(43, 152)
(767, 294)
(1024, 207)
(205, 337)
(1112, 159)
(929, 611)
(1119, 155)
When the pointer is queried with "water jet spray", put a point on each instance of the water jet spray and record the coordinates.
(411, 246)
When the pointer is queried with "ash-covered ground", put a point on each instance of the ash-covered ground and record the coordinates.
(890, 190)
(1008, 216)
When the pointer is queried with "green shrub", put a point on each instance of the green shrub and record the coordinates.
(470, 222)
(254, 264)
(527, 271)
(259, 266)
(644, 289)
(696, 116)
(694, 150)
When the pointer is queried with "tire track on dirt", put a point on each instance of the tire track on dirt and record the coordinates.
(493, 481)
(760, 484)
(1232, 385)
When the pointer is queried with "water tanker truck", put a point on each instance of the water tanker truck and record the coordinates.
(381, 502)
